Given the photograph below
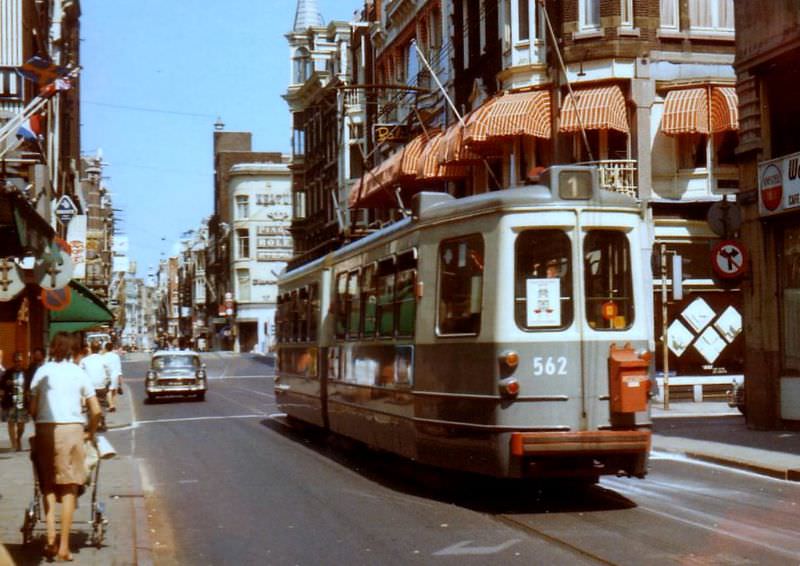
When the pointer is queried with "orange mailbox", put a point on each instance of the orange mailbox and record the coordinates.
(629, 382)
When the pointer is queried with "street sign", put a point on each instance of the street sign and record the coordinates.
(66, 209)
(724, 218)
(55, 274)
(729, 259)
(56, 299)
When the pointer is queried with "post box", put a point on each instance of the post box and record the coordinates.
(629, 380)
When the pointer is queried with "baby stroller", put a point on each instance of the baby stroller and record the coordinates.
(34, 513)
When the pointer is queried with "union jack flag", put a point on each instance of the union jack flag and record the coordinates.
(41, 70)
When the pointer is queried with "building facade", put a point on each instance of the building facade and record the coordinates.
(767, 55)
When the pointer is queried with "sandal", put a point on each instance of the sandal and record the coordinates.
(50, 551)
(67, 558)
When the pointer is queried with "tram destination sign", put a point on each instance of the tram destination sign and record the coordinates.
(779, 185)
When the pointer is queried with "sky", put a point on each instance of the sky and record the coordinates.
(156, 75)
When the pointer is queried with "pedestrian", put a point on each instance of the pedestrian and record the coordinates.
(95, 367)
(15, 385)
(58, 391)
(114, 365)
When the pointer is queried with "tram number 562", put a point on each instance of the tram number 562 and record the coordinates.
(549, 365)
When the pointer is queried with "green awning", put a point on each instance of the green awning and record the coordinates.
(85, 311)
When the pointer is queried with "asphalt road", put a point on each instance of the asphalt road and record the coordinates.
(229, 482)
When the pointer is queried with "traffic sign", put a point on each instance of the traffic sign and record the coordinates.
(56, 299)
(724, 218)
(12, 282)
(729, 259)
(66, 209)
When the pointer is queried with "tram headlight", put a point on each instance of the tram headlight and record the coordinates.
(509, 387)
(510, 359)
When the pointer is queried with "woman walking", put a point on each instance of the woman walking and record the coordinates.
(58, 390)
(15, 389)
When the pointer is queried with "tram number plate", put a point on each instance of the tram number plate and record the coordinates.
(549, 365)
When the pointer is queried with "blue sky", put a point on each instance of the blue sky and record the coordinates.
(156, 74)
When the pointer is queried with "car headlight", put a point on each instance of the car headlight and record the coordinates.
(151, 375)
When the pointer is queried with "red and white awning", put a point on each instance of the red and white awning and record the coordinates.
(599, 108)
(700, 110)
(510, 115)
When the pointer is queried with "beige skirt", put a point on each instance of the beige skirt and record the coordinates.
(60, 455)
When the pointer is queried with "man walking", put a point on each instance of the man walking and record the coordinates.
(114, 365)
(95, 366)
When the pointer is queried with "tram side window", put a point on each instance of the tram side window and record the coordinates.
(369, 299)
(341, 305)
(385, 306)
(543, 280)
(313, 317)
(279, 319)
(302, 315)
(406, 299)
(460, 285)
(354, 300)
(608, 280)
(294, 309)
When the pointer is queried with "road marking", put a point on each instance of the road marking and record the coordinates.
(188, 481)
(188, 419)
(463, 548)
(230, 377)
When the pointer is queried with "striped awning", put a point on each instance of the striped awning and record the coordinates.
(430, 169)
(724, 109)
(685, 112)
(511, 115)
(599, 108)
(689, 111)
(453, 149)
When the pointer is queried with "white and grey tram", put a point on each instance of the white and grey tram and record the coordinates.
(504, 334)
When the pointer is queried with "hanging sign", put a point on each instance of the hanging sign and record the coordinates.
(779, 185)
(11, 279)
(55, 270)
(729, 259)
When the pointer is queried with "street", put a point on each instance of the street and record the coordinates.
(227, 481)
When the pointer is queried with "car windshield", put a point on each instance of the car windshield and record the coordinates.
(178, 361)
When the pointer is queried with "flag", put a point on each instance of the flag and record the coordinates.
(57, 85)
(25, 134)
(41, 70)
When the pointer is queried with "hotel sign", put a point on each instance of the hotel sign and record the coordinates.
(393, 133)
(779, 185)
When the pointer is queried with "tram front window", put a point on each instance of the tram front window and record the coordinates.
(608, 280)
(543, 280)
(460, 285)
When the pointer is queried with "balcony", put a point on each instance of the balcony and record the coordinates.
(617, 175)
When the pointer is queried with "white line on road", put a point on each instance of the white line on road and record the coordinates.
(463, 548)
(188, 419)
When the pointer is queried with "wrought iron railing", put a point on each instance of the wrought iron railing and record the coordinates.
(617, 175)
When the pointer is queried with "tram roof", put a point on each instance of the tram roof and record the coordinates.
(435, 206)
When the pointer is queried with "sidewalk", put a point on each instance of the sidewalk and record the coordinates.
(716, 433)
(127, 538)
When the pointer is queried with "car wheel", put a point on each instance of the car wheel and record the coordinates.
(201, 396)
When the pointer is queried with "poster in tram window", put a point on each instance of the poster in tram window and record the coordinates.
(543, 302)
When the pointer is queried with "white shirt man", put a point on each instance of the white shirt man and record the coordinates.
(97, 370)
(114, 365)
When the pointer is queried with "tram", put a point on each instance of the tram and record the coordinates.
(504, 334)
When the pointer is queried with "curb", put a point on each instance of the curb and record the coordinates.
(777, 473)
(142, 545)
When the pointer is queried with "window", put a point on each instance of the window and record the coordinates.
(369, 299)
(669, 14)
(313, 317)
(692, 151)
(243, 243)
(523, 17)
(790, 283)
(460, 285)
(711, 14)
(725, 148)
(412, 63)
(341, 305)
(385, 306)
(353, 299)
(302, 315)
(626, 11)
(543, 280)
(242, 207)
(589, 14)
(405, 294)
(243, 284)
(607, 280)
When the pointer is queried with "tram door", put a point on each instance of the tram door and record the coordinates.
(608, 312)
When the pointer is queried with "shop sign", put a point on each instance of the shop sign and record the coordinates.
(779, 185)
(11, 279)
(393, 133)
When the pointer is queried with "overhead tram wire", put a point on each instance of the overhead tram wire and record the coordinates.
(151, 110)
(443, 51)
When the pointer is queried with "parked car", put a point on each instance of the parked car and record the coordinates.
(176, 372)
(736, 397)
